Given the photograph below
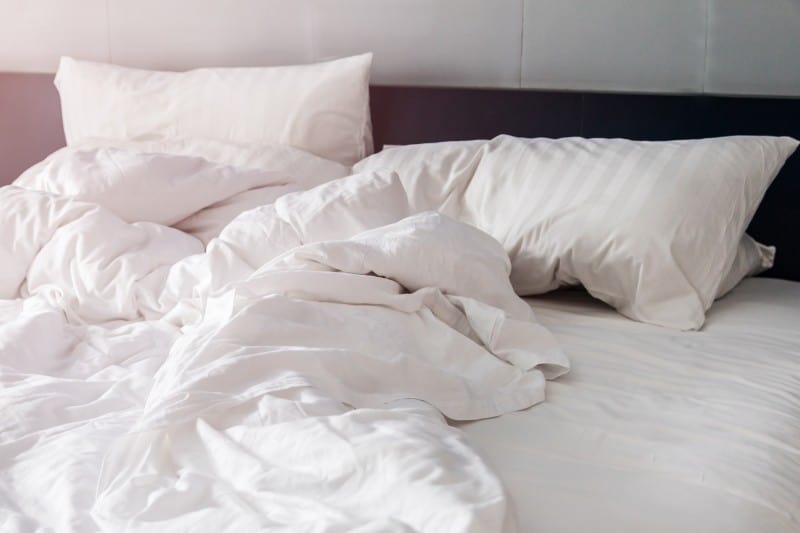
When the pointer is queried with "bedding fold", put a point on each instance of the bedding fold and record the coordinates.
(295, 373)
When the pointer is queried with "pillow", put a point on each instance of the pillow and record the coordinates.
(752, 258)
(321, 108)
(652, 228)
(436, 176)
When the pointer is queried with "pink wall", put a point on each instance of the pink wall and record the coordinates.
(30, 122)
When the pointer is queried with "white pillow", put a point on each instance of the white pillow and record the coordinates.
(752, 258)
(652, 228)
(435, 175)
(321, 108)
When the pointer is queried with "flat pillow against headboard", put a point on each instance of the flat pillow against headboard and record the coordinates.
(322, 108)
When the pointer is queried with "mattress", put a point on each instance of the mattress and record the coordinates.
(661, 430)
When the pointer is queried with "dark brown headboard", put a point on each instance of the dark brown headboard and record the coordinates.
(30, 128)
(30, 122)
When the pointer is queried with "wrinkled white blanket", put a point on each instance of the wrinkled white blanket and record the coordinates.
(292, 375)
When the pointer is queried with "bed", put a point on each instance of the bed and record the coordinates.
(652, 428)
(644, 435)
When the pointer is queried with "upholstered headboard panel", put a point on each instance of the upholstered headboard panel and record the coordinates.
(30, 121)
(30, 128)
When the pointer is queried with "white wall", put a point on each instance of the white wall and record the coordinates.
(685, 46)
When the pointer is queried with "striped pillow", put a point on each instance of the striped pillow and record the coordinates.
(322, 108)
(655, 229)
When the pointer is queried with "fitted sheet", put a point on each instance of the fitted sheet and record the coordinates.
(660, 430)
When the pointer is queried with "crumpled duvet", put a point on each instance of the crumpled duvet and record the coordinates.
(295, 374)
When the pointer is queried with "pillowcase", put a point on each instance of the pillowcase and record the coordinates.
(652, 228)
(435, 175)
(321, 108)
(752, 258)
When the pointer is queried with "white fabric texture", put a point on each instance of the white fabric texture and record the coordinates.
(752, 258)
(292, 375)
(321, 108)
(244, 155)
(122, 176)
(661, 431)
(652, 228)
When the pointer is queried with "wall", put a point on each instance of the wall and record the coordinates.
(683, 46)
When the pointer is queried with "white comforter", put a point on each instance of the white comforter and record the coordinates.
(291, 375)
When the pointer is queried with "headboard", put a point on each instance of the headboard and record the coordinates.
(30, 128)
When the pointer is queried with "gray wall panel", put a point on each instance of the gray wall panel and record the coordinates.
(196, 33)
(425, 42)
(35, 33)
(678, 46)
(632, 45)
(754, 47)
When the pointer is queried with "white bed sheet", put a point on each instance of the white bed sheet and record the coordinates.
(660, 430)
